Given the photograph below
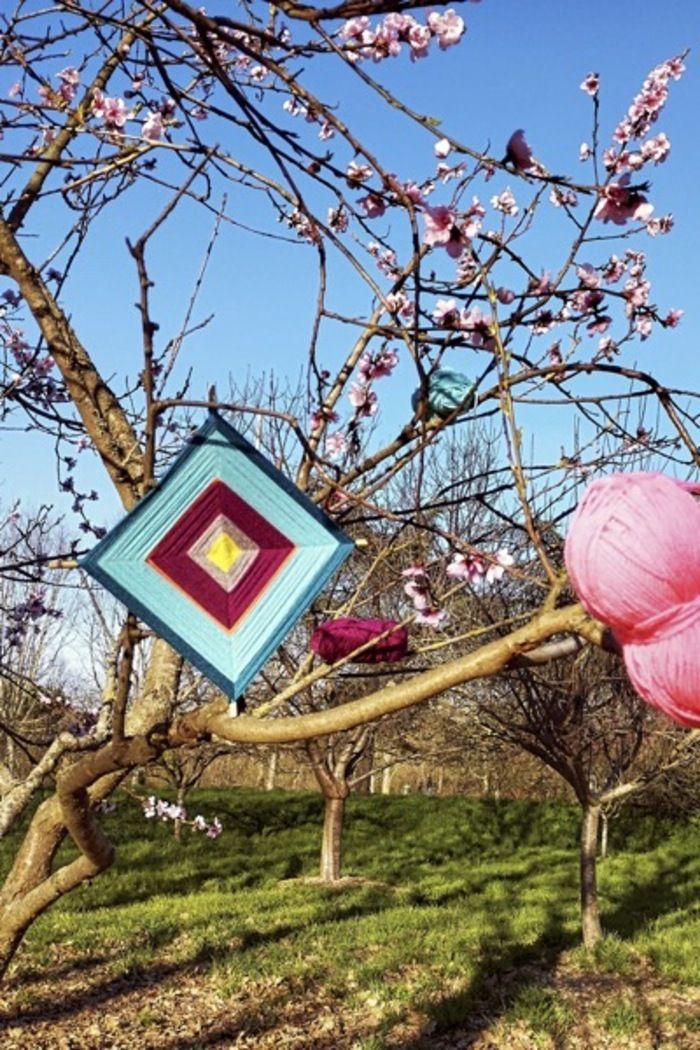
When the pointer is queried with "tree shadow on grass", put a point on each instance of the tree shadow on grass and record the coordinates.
(150, 975)
(508, 971)
(505, 968)
(664, 890)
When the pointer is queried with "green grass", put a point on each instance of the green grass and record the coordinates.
(541, 1009)
(456, 893)
(623, 1018)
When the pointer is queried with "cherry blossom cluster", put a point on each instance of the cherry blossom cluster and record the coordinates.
(55, 98)
(444, 228)
(648, 103)
(362, 397)
(158, 809)
(620, 201)
(30, 372)
(417, 587)
(26, 616)
(476, 325)
(361, 394)
(386, 39)
(473, 568)
(112, 110)
(590, 302)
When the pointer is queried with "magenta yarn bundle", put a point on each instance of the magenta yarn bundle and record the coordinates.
(336, 639)
(633, 557)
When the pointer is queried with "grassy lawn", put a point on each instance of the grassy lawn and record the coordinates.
(460, 929)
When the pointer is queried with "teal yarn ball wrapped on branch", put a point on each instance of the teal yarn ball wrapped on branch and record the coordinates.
(448, 391)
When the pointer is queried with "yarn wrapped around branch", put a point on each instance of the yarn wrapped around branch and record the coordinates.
(633, 557)
(447, 392)
(336, 639)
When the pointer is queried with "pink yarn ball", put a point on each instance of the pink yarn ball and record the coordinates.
(665, 671)
(633, 548)
(633, 557)
(336, 639)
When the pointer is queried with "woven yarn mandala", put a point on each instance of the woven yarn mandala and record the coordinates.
(222, 558)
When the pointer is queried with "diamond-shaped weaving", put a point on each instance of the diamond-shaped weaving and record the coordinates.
(222, 558)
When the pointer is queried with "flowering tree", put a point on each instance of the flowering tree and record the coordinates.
(120, 114)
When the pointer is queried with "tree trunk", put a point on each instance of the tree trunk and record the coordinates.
(32, 885)
(332, 842)
(603, 835)
(179, 801)
(271, 771)
(590, 913)
(387, 774)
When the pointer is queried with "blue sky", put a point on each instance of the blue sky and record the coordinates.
(519, 65)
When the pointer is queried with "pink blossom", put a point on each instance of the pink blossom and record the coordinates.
(505, 202)
(544, 321)
(656, 149)
(336, 444)
(373, 206)
(441, 230)
(387, 41)
(618, 203)
(294, 107)
(446, 313)
(377, 366)
(153, 129)
(356, 174)
(413, 192)
(607, 347)
(398, 303)
(363, 399)
(584, 151)
(518, 152)
(588, 276)
(214, 829)
(554, 353)
(672, 318)
(419, 38)
(304, 226)
(15, 89)
(479, 326)
(590, 84)
(466, 567)
(661, 225)
(442, 148)
(613, 270)
(69, 75)
(446, 172)
(431, 617)
(542, 285)
(327, 131)
(563, 198)
(505, 296)
(322, 415)
(112, 110)
(503, 560)
(447, 27)
(338, 219)
(643, 325)
(418, 592)
(386, 259)
(599, 325)
(636, 292)
(354, 28)
(48, 96)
